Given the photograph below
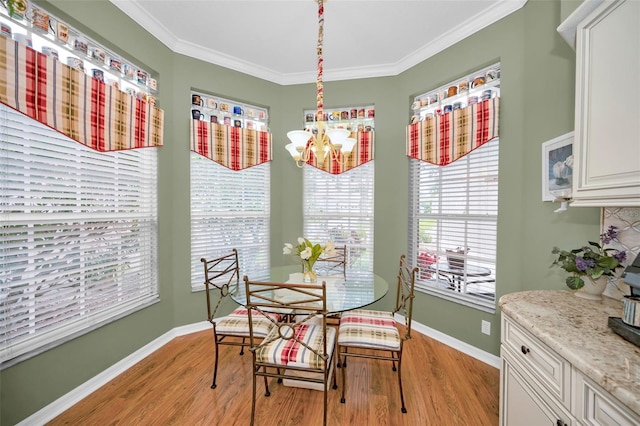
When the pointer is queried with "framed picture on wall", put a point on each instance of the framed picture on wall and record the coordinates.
(557, 168)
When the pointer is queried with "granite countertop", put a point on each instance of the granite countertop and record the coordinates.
(577, 330)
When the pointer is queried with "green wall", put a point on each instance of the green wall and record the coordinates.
(537, 92)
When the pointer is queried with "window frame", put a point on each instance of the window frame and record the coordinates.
(425, 105)
(112, 223)
(253, 256)
(483, 256)
(321, 225)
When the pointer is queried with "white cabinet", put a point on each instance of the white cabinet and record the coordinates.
(595, 407)
(523, 401)
(607, 121)
(539, 387)
(535, 382)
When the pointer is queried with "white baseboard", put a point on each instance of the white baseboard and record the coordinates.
(66, 401)
(459, 345)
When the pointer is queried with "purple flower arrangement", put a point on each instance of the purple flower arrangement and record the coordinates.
(593, 260)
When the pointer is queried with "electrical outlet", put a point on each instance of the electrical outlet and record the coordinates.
(486, 327)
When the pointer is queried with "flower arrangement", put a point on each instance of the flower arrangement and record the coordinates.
(592, 261)
(309, 252)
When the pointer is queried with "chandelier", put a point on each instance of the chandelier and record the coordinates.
(322, 142)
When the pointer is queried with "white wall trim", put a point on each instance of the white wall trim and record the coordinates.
(567, 29)
(135, 11)
(459, 345)
(66, 401)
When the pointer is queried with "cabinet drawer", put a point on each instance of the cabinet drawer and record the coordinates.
(551, 371)
(594, 406)
(522, 403)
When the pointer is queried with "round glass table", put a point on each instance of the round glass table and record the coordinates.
(355, 291)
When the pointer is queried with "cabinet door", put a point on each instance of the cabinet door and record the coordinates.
(607, 129)
(520, 404)
(594, 406)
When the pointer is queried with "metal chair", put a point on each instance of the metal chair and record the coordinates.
(300, 350)
(376, 332)
(334, 264)
(222, 275)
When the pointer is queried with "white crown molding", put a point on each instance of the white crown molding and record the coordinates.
(567, 29)
(146, 21)
(460, 32)
(215, 57)
(498, 11)
(66, 401)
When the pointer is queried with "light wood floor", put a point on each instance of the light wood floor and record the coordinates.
(171, 387)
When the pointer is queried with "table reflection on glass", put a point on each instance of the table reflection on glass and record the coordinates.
(355, 291)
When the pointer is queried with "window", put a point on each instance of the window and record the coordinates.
(452, 144)
(79, 235)
(340, 208)
(456, 206)
(229, 209)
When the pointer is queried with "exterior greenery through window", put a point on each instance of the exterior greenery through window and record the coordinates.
(340, 208)
(79, 236)
(456, 206)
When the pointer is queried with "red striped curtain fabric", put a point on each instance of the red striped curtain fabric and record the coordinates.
(75, 104)
(445, 138)
(233, 147)
(363, 152)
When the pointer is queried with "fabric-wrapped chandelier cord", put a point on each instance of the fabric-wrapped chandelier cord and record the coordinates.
(329, 149)
(319, 82)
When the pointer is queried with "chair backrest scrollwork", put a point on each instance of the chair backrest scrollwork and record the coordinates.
(223, 274)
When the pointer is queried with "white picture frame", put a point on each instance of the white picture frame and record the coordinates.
(557, 168)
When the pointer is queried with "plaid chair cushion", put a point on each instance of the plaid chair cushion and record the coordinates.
(282, 351)
(237, 323)
(369, 329)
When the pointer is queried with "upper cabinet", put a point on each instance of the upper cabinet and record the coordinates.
(607, 121)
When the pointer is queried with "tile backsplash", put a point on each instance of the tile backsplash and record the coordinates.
(627, 219)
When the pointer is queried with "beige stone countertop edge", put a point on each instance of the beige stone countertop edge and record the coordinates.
(577, 329)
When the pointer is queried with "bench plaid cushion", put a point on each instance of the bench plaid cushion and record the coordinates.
(369, 329)
(284, 351)
(237, 323)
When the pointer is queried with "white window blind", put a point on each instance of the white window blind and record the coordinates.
(340, 208)
(79, 235)
(456, 206)
(229, 209)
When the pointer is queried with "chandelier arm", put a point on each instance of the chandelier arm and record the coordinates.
(340, 159)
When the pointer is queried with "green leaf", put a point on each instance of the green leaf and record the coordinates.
(574, 282)
(608, 262)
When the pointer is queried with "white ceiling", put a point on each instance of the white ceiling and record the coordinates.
(276, 40)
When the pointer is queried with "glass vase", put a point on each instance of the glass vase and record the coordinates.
(308, 274)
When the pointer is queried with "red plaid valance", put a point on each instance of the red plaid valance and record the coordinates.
(75, 104)
(445, 138)
(363, 152)
(233, 147)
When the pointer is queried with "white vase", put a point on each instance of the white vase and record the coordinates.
(593, 289)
